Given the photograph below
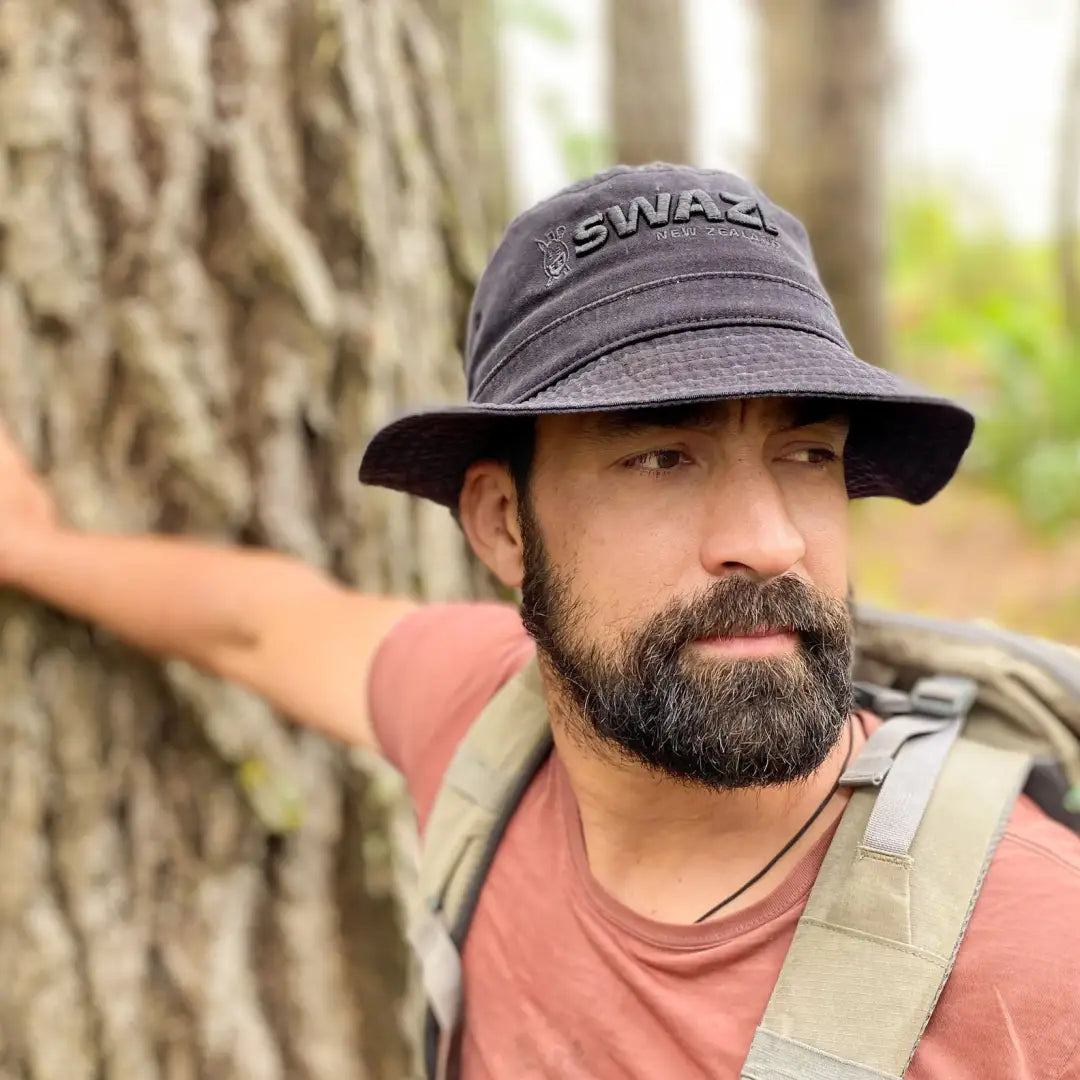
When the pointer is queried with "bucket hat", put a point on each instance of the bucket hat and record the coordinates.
(661, 285)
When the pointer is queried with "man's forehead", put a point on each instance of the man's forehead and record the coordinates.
(781, 412)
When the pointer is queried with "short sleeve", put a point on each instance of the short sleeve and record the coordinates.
(432, 676)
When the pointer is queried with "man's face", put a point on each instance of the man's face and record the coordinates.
(685, 579)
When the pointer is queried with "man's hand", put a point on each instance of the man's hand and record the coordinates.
(25, 502)
(276, 625)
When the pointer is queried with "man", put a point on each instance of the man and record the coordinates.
(664, 430)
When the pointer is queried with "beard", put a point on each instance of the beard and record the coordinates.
(725, 724)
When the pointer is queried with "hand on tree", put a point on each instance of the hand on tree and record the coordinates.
(25, 501)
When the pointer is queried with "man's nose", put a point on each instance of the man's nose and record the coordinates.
(747, 526)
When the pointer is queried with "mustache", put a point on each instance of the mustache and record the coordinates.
(739, 606)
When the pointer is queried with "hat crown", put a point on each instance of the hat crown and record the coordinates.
(631, 253)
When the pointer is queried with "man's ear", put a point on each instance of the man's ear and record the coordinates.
(488, 511)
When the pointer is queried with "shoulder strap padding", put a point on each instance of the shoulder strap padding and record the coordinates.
(880, 932)
(488, 774)
(485, 779)
(1029, 689)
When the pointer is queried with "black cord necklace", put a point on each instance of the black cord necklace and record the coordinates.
(792, 842)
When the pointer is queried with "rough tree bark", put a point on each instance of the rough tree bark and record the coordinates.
(235, 235)
(650, 101)
(824, 67)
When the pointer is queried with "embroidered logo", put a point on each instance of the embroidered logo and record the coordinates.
(556, 254)
(678, 214)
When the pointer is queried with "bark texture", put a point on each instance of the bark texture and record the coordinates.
(651, 105)
(235, 235)
(825, 70)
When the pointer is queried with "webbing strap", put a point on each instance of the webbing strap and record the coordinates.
(772, 1057)
(880, 931)
(440, 967)
(906, 791)
(875, 759)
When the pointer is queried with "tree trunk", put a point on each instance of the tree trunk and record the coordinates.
(1068, 189)
(651, 107)
(824, 67)
(235, 235)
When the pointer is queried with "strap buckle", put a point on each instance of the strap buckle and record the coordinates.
(883, 701)
(946, 697)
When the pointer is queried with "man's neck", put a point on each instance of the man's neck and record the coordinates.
(669, 850)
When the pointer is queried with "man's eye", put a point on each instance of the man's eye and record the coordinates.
(813, 455)
(658, 461)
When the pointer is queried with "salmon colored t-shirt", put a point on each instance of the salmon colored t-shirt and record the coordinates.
(564, 982)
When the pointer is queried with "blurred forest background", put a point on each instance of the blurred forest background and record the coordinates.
(237, 235)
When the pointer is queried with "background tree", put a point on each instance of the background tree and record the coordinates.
(1068, 188)
(824, 72)
(235, 235)
(651, 104)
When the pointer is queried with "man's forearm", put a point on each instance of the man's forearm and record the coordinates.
(168, 596)
(285, 630)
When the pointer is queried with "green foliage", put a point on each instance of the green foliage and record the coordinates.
(583, 151)
(978, 313)
(540, 17)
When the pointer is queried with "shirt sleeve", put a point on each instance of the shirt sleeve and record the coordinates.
(431, 677)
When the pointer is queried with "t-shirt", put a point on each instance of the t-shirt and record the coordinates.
(562, 981)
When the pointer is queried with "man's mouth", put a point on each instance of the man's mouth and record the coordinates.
(767, 641)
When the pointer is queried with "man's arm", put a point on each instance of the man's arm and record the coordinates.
(276, 625)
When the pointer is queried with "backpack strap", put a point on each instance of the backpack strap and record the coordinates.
(883, 921)
(885, 918)
(484, 782)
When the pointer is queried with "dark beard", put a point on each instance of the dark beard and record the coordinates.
(725, 724)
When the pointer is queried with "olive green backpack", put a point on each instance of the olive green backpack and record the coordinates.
(973, 715)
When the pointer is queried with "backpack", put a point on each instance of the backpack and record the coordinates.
(889, 907)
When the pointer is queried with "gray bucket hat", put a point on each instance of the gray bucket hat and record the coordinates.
(661, 285)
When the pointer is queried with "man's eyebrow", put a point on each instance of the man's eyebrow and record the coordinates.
(806, 412)
(633, 421)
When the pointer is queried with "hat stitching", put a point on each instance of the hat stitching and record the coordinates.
(639, 288)
(660, 329)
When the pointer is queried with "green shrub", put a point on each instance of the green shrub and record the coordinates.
(978, 313)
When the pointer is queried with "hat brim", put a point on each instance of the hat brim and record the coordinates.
(904, 442)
